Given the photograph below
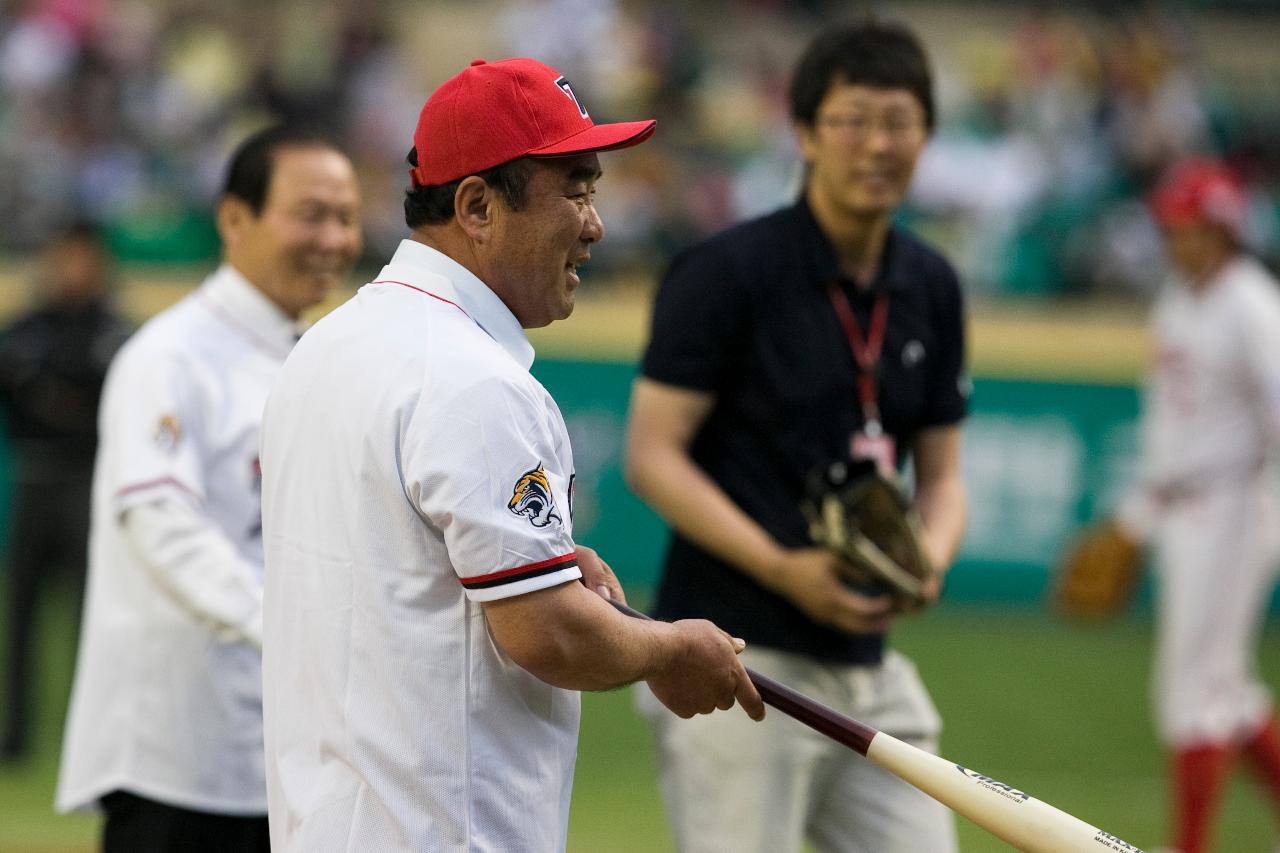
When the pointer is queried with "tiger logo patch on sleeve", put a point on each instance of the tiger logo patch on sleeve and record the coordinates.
(532, 498)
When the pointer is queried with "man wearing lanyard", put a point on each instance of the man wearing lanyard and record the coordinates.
(790, 341)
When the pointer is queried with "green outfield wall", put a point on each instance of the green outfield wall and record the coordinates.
(1050, 442)
(1040, 457)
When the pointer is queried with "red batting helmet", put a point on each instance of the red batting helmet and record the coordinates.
(1200, 189)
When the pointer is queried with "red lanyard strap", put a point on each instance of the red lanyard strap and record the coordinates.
(866, 351)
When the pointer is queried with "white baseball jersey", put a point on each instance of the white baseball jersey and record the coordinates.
(1211, 421)
(167, 695)
(412, 469)
(1213, 403)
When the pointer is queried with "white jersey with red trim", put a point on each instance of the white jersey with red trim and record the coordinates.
(1210, 425)
(413, 468)
(1212, 408)
(167, 695)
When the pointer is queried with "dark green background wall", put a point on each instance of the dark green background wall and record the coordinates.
(1040, 458)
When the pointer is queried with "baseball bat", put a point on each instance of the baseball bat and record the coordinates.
(1009, 814)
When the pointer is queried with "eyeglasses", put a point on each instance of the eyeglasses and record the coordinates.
(858, 127)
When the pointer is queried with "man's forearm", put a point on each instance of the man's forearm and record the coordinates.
(943, 507)
(694, 505)
(570, 637)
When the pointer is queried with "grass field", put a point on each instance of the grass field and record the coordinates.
(1058, 710)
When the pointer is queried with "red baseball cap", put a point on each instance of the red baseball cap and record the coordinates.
(1200, 189)
(493, 112)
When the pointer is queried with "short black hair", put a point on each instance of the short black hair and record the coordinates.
(250, 169)
(869, 53)
(433, 205)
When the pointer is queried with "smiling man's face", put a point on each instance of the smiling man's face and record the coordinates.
(862, 148)
(533, 259)
(307, 236)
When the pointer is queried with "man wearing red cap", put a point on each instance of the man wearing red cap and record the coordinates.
(1210, 422)
(428, 615)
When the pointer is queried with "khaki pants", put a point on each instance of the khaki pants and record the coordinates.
(731, 784)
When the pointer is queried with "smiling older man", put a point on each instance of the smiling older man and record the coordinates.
(165, 726)
(426, 630)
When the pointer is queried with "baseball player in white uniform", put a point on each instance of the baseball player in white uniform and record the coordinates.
(428, 615)
(165, 725)
(1210, 425)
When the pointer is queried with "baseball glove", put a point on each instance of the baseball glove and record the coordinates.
(859, 514)
(1099, 572)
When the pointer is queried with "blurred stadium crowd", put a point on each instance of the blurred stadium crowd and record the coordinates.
(1054, 121)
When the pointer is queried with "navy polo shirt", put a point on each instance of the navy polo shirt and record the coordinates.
(746, 316)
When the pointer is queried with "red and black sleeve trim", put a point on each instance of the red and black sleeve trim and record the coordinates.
(520, 573)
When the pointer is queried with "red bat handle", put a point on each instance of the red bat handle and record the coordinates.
(846, 730)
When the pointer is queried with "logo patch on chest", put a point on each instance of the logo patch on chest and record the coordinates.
(531, 497)
(168, 433)
(912, 353)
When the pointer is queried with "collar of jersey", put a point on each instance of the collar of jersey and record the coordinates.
(421, 267)
(1233, 270)
(247, 308)
(823, 261)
